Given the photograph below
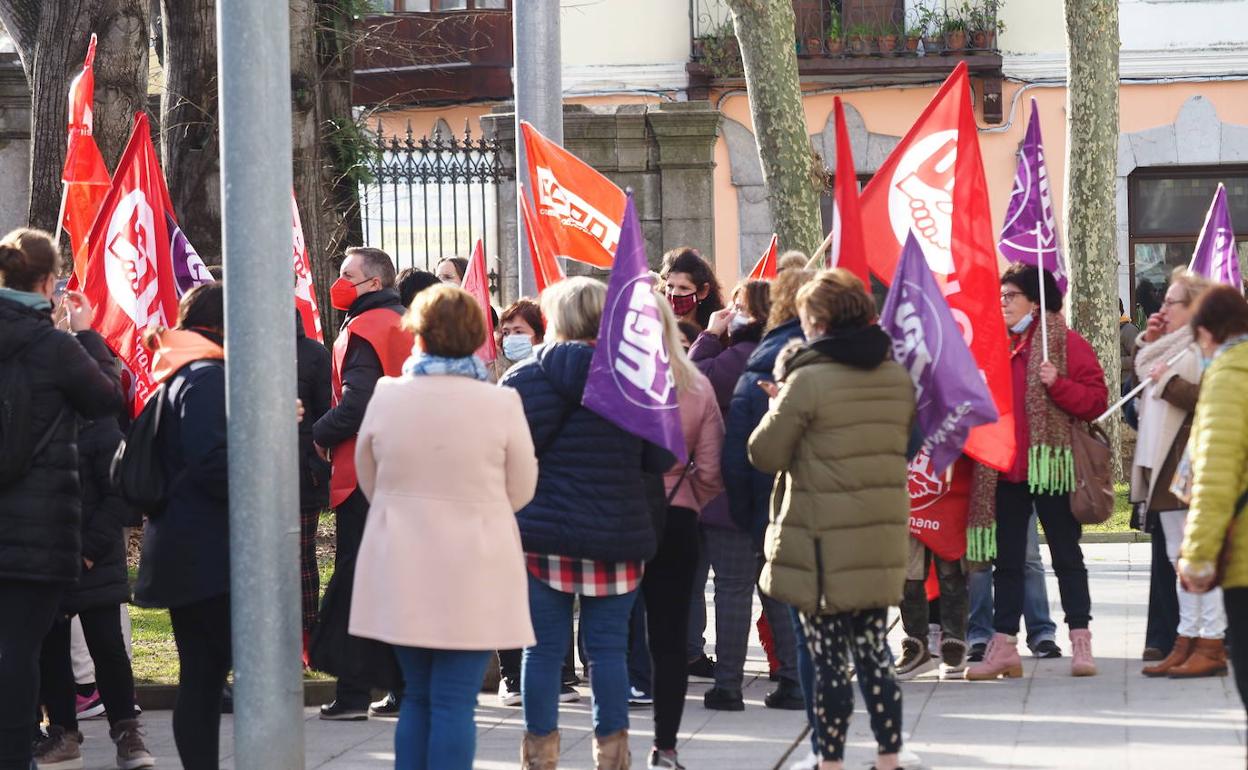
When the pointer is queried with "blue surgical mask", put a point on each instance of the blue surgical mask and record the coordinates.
(517, 347)
(1023, 324)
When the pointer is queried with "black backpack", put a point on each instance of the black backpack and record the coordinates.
(18, 445)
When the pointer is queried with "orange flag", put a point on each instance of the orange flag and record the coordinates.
(849, 248)
(546, 270)
(766, 267)
(933, 184)
(477, 283)
(578, 208)
(85, 177)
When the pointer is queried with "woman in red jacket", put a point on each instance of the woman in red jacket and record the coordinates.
(1049, 395)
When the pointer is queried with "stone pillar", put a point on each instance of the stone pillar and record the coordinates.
(686, 133)
(14, 143)
(500, 125)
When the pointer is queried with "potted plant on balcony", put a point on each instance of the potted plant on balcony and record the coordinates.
(912, 35)
(886, 39)
(983, 25)
(954, 31)
(721, 53)
(834, 43)
(861, 39)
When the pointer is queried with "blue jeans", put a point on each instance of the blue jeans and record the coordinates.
(436, 730)
(604, 627)
(1040, 625)
(806, 677)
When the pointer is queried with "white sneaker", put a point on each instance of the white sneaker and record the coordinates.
(808, 762)
(508, 692)
(638, 698)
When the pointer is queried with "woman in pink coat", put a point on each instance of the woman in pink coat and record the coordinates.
(445, 459)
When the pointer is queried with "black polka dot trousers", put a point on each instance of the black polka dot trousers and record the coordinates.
(835, 641)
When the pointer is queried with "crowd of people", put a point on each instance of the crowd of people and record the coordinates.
(541, 532)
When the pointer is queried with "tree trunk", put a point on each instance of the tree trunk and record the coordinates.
(305, 133)
(765, 31)
(120, 74)
(1091, 167)
(188, 128)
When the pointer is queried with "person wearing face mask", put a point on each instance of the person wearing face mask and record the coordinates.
(1219, 460)
(1049, 395)
(1168, 361)
(520, 328)
(371, 344)
(62, 376)
(691, 287)
(452, 270)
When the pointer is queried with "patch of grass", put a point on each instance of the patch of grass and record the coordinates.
(1121, 520)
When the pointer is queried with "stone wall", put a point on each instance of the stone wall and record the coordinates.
(14, 143)
(664, 152)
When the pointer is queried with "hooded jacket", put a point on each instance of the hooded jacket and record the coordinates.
(837, 435)
(186, 546)
(591, 500)
(71, 376)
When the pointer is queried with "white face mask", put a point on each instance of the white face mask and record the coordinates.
(738, 323)
(1023, 324)
(517, 347)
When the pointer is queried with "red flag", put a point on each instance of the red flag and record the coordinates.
(129, 275)
(546, 270)
(849, 249)
(766, 267)
(305, 296)
(84, 175)
(579, 208)
(933, 183)
(477, 283)
(939, 504)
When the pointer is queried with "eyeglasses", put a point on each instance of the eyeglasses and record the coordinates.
(1008, 296)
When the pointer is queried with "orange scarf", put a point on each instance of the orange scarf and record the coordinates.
(175, 348)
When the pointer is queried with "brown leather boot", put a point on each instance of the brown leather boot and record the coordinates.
(611, 752)
(1179, 654)
(1208, 658)
(540, 752)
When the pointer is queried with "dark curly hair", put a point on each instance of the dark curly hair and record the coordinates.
(687, 260)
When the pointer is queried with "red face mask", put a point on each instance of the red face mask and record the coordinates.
(342, 293)
(683, 304)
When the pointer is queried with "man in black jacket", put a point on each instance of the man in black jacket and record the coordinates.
(313, 375)
(370, 345)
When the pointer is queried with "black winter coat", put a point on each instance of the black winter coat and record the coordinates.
(315, 387)
(186, 547)
(104, 516)
(361, 368)
(591, 500)
(40, 515)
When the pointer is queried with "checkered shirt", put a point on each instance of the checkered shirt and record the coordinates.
(585, 576)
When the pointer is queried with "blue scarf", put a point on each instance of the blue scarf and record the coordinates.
(422, 363)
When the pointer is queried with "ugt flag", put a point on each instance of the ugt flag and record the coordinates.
(950, 395)
(130, 271)
(579, 208)
(1215, 256)
(1029, 235)
(630, 379)
(933, 183)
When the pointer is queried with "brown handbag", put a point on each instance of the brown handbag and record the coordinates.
(1092, 501)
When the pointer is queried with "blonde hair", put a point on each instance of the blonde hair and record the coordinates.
(684, 373)
(573, 309)
(836, 299)
(791, 260)
(1193, 285)
(784, 295)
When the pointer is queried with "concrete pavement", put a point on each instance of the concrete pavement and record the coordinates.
(1116, 721)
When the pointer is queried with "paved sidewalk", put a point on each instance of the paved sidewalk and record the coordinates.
(1114, 721)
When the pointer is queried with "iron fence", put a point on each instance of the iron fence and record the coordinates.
(430, 198)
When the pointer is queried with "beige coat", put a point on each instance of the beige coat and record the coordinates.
(446, 462)
(1153, 468)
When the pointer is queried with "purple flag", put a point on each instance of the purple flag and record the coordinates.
(950, 394)
(630, 382)
(1215, 257)
(188, 269)
(1031, 207)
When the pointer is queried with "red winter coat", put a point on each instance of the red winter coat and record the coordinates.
(1081, 393)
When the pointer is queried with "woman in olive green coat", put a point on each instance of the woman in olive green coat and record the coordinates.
(836, 546)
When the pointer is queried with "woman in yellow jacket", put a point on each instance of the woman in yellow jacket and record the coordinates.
(1219, 464)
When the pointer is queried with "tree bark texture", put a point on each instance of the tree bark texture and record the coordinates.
(764, 29)
(1091, 167)
(51, 37)
(305, 131)
(188, 128)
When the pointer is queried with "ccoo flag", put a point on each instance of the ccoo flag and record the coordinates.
(1029, 235)
(305, 296)
(1215, 256)
(630, 379)
(950, 395)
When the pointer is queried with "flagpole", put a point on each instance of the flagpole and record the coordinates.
(1044, 314)
(1120, 403)
(60, 217)
(815, 259)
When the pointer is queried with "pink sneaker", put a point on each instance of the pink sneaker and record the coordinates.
(1081, 662)
(89, 706)
(1000, 660)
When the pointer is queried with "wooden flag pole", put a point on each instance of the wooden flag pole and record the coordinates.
(1120, 403)
(816, 260)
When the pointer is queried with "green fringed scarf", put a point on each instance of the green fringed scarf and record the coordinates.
(1050, 461)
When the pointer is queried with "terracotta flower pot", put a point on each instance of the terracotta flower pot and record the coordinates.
(859, 45)
(979, 39)
(814, 46)
(887, 44)
(955, 41)
(834, 46)
(912, 45)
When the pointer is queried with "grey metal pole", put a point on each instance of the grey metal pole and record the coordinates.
(253, 68)
(538, 83)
